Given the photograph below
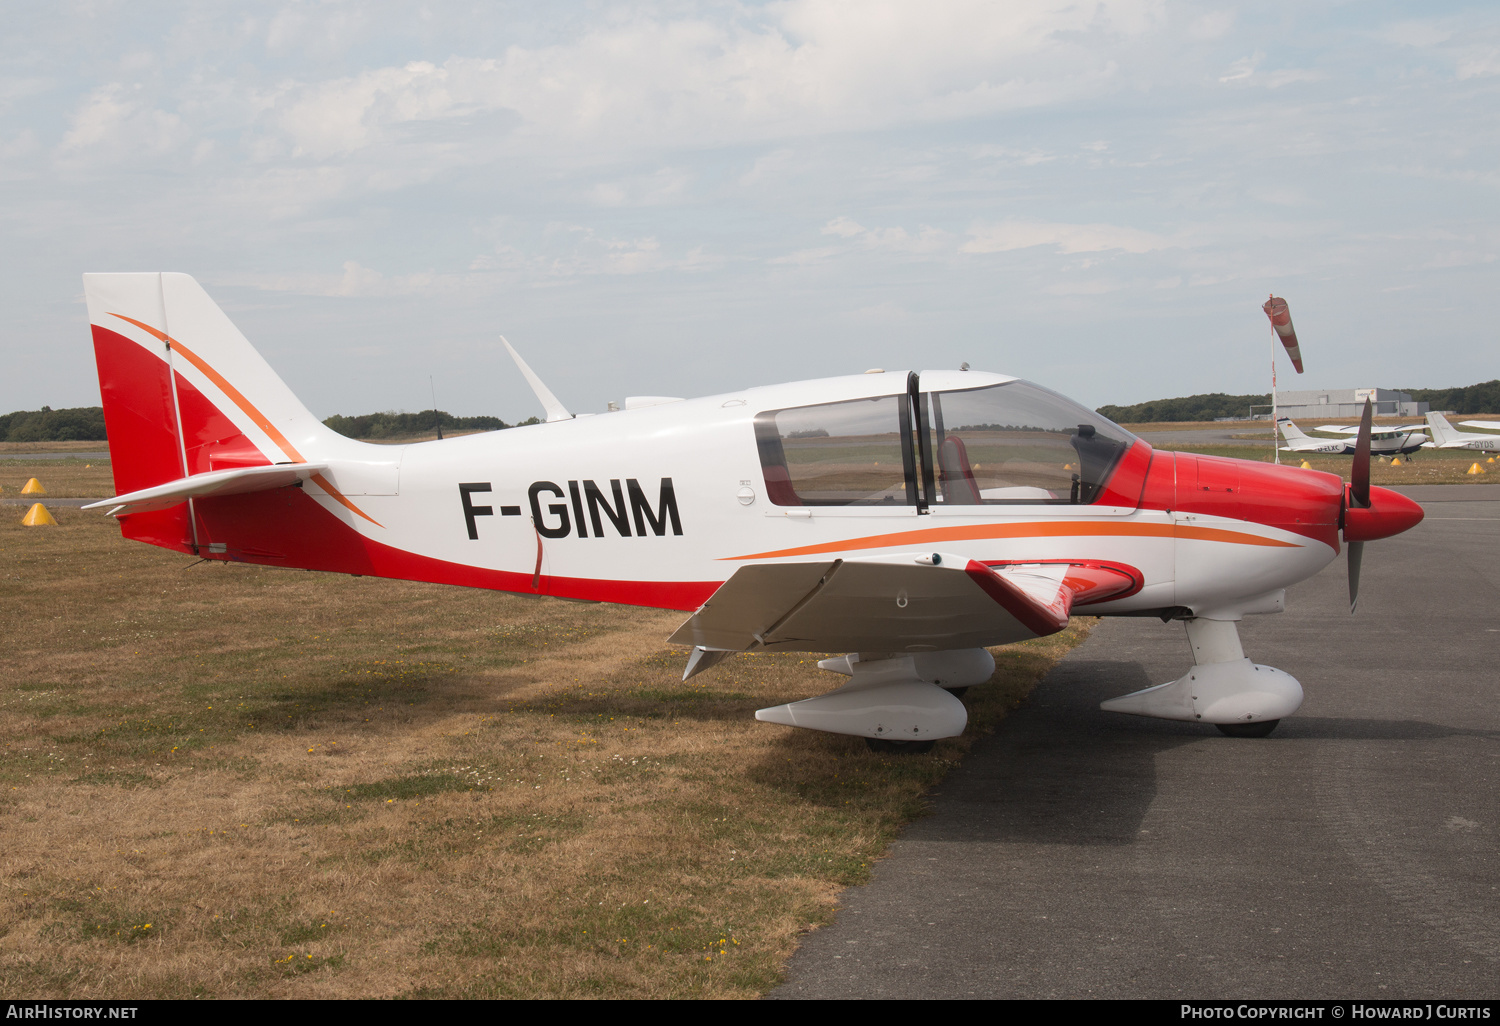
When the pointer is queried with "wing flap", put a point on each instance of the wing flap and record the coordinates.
(218, 482)
(911, 603)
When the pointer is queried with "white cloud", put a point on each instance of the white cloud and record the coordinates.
(844, 227)
(1213, 25)
(1416, 33)
(1478, 62)
(112, 126)
(805, 66)
(1068, 238)
(660, 187)
(356, 281)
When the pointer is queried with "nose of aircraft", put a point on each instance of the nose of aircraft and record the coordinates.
(1389, 513)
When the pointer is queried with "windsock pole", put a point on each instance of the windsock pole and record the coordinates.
(1275, 425)
(1283, 332)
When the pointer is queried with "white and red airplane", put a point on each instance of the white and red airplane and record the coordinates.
(908, 519)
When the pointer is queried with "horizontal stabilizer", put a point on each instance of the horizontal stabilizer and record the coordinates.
(893, 604)
(219, 482)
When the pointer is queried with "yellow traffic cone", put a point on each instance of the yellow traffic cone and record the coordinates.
(1396, 462)
(1475, 469)
(1490, 460)
(1306, 465)
(33, 487)
(37, 515)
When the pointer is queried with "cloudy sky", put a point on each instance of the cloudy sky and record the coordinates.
(686, 198)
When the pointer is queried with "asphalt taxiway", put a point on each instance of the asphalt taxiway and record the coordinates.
(1353, 853)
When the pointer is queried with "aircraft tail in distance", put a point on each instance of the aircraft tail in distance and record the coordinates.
(1442, 431)
(1291, 432)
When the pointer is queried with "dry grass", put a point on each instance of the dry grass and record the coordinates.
(70, 478)
(237, 781)
(54, 446)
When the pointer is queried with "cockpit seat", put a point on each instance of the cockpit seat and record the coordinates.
(956, 475)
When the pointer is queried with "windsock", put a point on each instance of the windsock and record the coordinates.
(1281, 320)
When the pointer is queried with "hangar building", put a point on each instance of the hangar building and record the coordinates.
(1341, 403)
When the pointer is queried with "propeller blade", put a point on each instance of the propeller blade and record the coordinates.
(1356, 552)
(1359, 476)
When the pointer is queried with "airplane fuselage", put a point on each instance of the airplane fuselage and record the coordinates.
(658, 506)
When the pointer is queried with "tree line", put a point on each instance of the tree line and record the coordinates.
(389, 425)
(1481, 398)
(81, 424)
(86, 423)
(1189, 407)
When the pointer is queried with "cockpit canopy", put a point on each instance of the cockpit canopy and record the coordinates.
(1010, 443)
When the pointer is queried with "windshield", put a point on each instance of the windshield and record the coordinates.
(1010, 443)
(1016, 443)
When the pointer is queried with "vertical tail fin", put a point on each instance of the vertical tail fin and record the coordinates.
(1442, 431)
(184, 392)
(1291, 432)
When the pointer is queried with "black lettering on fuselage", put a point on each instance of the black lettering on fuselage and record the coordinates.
(619, 507)
(666, 508)
(557, 509)
(583, 532)
(470, 510)
(618, 514)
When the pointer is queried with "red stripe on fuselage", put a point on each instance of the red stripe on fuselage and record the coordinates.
(289, 528)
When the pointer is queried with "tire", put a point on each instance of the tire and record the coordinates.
(880, 744)
(1260, 729)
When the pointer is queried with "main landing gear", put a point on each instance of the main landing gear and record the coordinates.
(900, 704)
(1241, 698)
(1261, 729)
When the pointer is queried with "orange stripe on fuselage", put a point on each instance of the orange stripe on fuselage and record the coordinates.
(322, 482)
(248, 408)
(1051, 529)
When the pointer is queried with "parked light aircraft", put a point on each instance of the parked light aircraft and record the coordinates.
(909, 520)
(1383, 441)
(1446, 436)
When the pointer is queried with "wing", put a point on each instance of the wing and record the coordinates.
(1338, 429)
(909, 603)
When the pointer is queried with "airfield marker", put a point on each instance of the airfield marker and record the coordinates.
(33, 487)
(37, 516)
